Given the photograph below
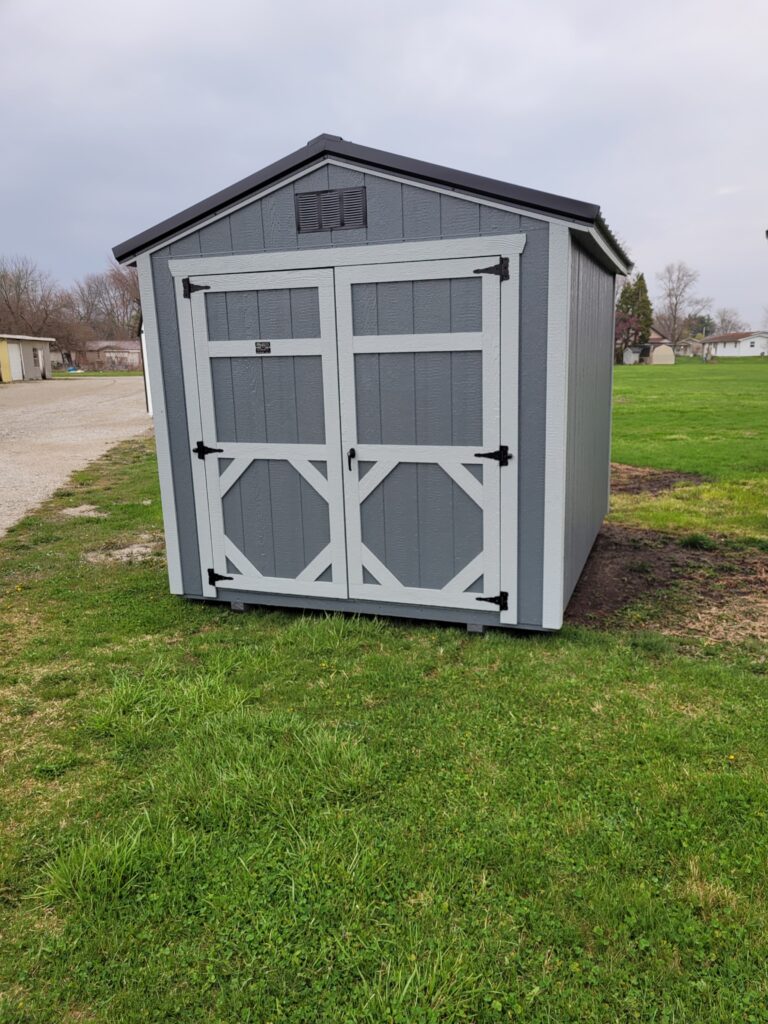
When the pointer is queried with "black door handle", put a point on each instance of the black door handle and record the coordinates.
(350, 455)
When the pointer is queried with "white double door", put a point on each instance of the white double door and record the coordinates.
(345, 430)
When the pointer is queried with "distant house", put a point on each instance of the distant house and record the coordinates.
(104, 355)
(737, 343)
(24, 358)
(689, 347)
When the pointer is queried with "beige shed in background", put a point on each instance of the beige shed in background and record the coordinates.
(659, 354)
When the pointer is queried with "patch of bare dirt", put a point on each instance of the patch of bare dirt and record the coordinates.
(719, 595)
(83, 512)
(642, 480)
(145, 546)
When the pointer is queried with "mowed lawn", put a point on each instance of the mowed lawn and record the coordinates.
(212, 817)
(707, 419)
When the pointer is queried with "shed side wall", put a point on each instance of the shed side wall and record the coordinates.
(590, 374)
(396, 212)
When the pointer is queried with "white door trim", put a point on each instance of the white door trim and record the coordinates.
(354, 255)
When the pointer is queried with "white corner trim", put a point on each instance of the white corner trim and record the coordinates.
(154, 369)
(347, 256)
(556, 426)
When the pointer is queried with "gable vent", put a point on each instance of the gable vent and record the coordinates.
(333, 208)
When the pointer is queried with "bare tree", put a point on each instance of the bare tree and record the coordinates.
(108, 303)
(677, 305)
(728, 320)
(30, 300)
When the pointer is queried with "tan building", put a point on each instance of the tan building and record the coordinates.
(24, 358)
(658, 354)
(105, 355)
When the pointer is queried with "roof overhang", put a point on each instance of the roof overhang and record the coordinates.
(587, 214)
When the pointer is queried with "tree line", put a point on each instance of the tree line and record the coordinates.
(102, 306)
(679, 313)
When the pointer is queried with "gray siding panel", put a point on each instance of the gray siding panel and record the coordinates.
(279, 218)
(269, 401)
(395, 213)
(385, 209)
(418, 307)
(270, 314)
(590, 368)
(421, 213)
(421, 525)
(458, 217)
(405, 398)
(247, 229)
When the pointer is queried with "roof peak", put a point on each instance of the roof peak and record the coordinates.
(324, 137)
(471, 185)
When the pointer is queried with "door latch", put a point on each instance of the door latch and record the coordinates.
(351, 454)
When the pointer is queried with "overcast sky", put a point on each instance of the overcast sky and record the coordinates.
(116, 115)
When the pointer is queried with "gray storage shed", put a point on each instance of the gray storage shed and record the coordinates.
(381, 386)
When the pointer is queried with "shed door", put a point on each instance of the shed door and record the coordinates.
(265, 347)
(419, 372)
(14, 356)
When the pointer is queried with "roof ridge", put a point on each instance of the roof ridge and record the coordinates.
(333, 145)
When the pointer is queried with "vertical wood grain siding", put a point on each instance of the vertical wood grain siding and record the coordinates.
(418, 307)
(287, 519)
(269, 401)
(271, 313)
(419, 398)
(396, 212)
(590, 368)
(421, 525)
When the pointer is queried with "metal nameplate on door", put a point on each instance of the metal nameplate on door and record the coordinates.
(263, 348)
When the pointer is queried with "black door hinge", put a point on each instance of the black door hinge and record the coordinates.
(188, 287)
(501, 455)
(201, 450)
(501, 268)
(214, 577)
(502, 600)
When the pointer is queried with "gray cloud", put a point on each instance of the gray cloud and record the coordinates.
(117, 115)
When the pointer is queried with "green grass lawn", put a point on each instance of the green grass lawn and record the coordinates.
(211, 817)
(710, 419)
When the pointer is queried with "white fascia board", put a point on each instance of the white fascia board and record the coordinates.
(617, 263)
(154, 369)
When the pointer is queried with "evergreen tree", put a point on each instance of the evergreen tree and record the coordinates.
(634, 316)
(643, 309)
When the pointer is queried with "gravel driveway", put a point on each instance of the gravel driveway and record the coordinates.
(50, 428)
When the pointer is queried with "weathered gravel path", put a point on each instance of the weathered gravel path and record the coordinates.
(50, 428)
